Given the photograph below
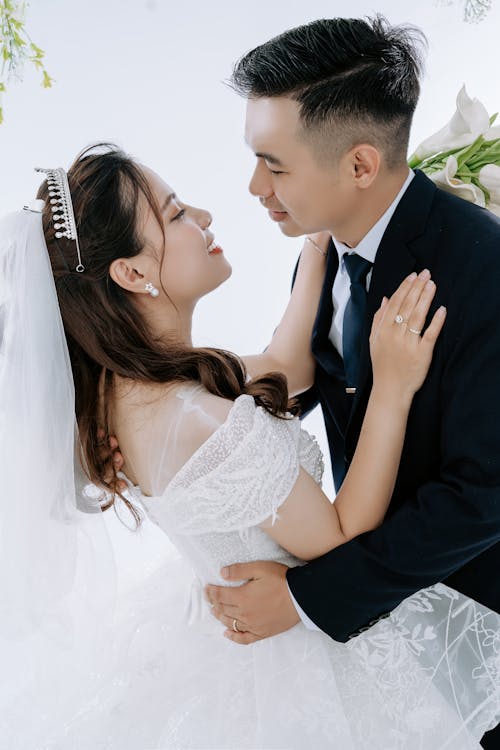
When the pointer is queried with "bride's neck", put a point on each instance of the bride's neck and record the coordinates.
(167, 324)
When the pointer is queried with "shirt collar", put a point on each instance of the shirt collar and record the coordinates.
(369, 245)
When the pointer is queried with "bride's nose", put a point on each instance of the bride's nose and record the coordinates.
(202, 217)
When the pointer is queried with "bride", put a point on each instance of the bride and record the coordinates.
(96, 305)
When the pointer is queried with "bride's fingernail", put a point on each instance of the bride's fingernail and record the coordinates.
(225, 572)
(384, 302)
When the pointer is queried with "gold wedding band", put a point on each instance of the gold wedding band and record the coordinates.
(415, 331)
(235, 626)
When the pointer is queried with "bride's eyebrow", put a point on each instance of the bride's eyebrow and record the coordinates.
(168, 200)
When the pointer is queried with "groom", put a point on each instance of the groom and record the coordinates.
(329, 111)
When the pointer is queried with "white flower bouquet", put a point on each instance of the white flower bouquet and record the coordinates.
(464, 156)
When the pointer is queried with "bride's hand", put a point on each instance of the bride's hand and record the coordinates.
(401, 356)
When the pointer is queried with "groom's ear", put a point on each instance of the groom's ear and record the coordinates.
(365, 163)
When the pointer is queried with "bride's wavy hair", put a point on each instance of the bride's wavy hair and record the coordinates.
(104, 330)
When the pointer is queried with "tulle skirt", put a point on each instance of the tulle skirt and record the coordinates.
(161, 676)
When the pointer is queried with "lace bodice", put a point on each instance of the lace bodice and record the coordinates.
(238, 478)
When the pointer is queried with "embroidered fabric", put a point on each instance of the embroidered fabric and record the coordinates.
(427, 677)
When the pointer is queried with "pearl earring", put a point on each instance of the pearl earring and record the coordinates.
(152, 290)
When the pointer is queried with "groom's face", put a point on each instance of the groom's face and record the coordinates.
(300, 193)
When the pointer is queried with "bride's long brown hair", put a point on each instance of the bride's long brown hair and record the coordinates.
(104, 330)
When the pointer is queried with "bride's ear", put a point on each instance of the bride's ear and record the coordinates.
(126, 272)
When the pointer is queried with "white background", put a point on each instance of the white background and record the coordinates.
(149, 75)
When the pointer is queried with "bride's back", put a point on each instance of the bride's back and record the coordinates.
(160, 426)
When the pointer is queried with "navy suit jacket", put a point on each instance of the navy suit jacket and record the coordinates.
(443, 522)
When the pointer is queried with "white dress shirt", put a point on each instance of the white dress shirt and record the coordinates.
(341, 291)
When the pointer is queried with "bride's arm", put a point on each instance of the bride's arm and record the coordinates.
(308, 524)
(290, 349)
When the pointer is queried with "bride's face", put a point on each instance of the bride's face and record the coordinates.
(189, 263)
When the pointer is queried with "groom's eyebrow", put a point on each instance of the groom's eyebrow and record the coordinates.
(270, 158)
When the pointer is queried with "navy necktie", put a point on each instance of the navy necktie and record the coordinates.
(354, 316)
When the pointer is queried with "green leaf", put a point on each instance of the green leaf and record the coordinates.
(489, 153)
(468, 151)
(38, 52)
(2, 87)
(47, 80)
(1, 115)
(414, 161)
(18, 39)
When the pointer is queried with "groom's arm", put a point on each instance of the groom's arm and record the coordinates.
(449, 520)
(444, 524)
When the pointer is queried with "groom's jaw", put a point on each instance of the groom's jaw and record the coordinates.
(287, 225)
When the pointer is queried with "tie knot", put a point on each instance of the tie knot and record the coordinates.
(357, 268)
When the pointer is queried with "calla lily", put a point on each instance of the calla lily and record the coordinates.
(446, 180)
(492, 133)
(494, 208)
(469, 122)
(489, 176)
(463, 158)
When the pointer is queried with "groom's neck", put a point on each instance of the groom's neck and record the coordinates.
(370, 206)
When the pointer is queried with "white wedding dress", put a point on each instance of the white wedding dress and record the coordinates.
(426, 677)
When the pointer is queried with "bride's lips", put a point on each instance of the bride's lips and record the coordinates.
(214, 249)
(277, 215)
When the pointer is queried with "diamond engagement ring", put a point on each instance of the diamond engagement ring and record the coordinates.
(399, 319)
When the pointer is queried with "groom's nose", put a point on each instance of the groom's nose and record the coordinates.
(260, 184)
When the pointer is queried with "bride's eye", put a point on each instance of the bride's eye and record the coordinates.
(180, 214)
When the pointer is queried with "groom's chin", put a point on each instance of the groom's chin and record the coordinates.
(290, 228)
(291, 232)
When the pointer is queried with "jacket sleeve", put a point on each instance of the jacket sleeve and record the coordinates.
(447, 521)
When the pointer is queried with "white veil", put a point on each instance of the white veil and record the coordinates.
(57, 574)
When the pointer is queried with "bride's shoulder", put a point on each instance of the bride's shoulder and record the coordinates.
(188, 405)
(196, 400)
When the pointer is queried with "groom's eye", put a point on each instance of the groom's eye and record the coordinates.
(274, 171)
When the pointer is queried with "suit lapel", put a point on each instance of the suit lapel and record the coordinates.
(326, 355)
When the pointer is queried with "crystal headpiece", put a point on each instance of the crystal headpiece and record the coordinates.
(62, 208)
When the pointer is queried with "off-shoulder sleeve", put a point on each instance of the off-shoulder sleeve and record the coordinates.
(238, 477)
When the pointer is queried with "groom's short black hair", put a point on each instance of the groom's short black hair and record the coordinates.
(362, 75)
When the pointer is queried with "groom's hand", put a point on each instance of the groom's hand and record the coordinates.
(261, 607)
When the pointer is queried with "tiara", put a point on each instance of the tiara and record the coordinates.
(62, 208)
